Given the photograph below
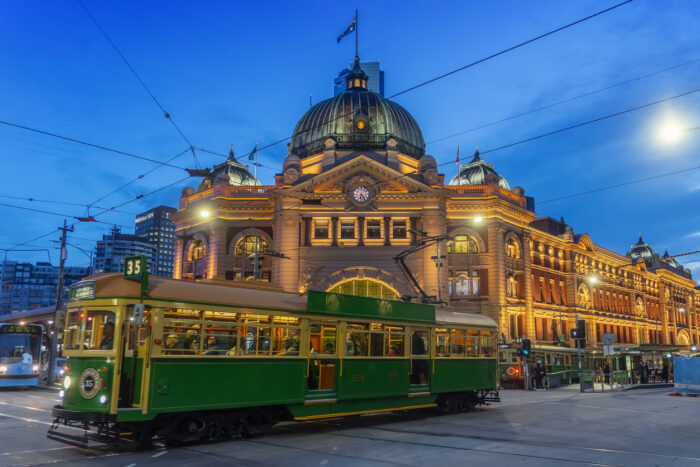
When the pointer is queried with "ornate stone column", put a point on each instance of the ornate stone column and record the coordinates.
(387, 231)
(216, 254)
(285, 239)
(178, 259)
(527, 282)
(334, 233)
(497, 275)
(663, 311)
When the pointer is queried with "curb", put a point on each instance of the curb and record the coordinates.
(648, 386)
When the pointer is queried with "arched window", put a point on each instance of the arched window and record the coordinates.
(251, 244)
(462, 244)
(465, 284)
(512, 250)
(365, 288)
(511, 286)
(198, 250)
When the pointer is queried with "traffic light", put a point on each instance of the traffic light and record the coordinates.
(526, 347)
(581, 329)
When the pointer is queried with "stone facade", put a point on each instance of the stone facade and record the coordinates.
(334, 220)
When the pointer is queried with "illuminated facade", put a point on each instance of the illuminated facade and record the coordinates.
(357, 189)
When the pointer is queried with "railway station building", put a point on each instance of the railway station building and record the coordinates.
(357, 189)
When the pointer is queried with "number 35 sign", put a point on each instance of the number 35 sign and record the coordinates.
(136, 269)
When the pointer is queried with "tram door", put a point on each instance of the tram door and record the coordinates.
(323, 352)
(419, 345)
(133, 376)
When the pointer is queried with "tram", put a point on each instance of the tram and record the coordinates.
(20, 354)
(188, 361)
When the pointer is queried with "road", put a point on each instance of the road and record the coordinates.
(558, 427)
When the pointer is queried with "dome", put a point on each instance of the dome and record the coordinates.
(476, 173)
(672, 261)
(357, 119)
(230, 172)
(642, 250)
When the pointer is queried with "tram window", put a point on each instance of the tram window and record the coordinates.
(322, 339)
(442, 342)
(472, 343)
(419, 343)
(71, 336)
(457, 343)
(181, 336)
(219, 339)
(485, 344)
(98, 331)
(393, 341)
(286, 336)
(357, 340)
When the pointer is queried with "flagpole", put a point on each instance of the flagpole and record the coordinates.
(357, 33)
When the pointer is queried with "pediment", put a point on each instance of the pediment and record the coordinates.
(335, 179)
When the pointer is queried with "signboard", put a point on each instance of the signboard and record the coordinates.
(608, 350)
(82, 290)
(136, 269)
(19, 329)
(608, 338)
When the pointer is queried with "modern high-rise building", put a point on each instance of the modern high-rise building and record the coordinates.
(27, 286)
(156, 226)
(113, 248)
(375, 80)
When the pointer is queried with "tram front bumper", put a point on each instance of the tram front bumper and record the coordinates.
(80, 420)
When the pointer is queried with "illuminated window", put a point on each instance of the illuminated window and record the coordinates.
(511, 286)
(512, 250)
(199, 250)
(366, 288)
(399, 230)
(466, 284)
(374, 228)
(357, 82)
(251, 244)
(320, 228)
(462, 244)
(364, 83)
(347, 228)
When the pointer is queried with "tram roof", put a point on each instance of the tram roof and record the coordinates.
(264, 296)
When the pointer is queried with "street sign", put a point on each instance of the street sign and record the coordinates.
(562, 338)
(608, 338)
(608, 350)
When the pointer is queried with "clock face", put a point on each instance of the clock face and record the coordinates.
(360, 194)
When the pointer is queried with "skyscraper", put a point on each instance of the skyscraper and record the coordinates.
(374, 83)
(155, 226)
(112, 249)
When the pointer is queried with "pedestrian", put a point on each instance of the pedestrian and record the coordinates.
(646, 372)
(539, 375)
(606, 372)
(640, 371)
(664, 373)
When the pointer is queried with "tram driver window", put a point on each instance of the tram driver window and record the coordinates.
(98, 330)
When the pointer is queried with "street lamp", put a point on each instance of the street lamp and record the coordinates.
(593, 280)
(204, 214)
(478, 219)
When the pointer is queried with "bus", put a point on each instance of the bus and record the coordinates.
(187, 361)
(20, 354)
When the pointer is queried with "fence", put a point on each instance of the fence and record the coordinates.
(597, 381)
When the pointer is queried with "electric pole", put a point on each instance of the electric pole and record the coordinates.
(59, 304)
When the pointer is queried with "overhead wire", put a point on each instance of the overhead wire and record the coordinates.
(143, 84)
(564, 101)
(31, 199)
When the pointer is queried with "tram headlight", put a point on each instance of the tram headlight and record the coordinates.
(66, 382)
(61, 393)
(103, 399)
(35, 368)
(3, 370)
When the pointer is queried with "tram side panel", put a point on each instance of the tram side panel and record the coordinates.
(459, 375)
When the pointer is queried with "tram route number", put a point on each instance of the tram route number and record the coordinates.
(132, 267)
(358, 378)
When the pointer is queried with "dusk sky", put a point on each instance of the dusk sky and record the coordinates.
(242, 72)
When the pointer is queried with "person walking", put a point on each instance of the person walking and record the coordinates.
(606, 372)
(540, 373)
(664, 373)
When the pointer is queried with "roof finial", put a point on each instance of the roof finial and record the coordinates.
(476, 154)
(230, 153)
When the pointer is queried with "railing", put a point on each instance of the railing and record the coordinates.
(599, 381)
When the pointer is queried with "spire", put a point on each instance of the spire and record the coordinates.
(357, 78)
(476, 158)
(665, 253)
(230, 154)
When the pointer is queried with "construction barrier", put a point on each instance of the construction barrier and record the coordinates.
(686, 374)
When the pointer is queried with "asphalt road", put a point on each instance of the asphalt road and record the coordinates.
(559, 427)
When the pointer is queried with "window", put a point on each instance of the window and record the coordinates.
(374, 339)
(347, 228)
(91, 330)
(511, 286)
(321, 228)
(374, 228)
(462, 244)
(399, 228)
(466, 284)
(251, 244)
(512, 250)
(366, 288)
(198, 250)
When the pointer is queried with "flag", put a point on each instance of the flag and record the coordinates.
(351, 28)
(458, 155)
(251, 156)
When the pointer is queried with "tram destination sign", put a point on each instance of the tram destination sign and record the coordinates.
(136, 269)
(19, 329)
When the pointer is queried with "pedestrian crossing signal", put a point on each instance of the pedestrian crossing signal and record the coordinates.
(526, 347)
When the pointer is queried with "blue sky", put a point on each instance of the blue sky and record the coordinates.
(240, 73)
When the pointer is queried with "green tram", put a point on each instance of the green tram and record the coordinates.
(187, 361)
